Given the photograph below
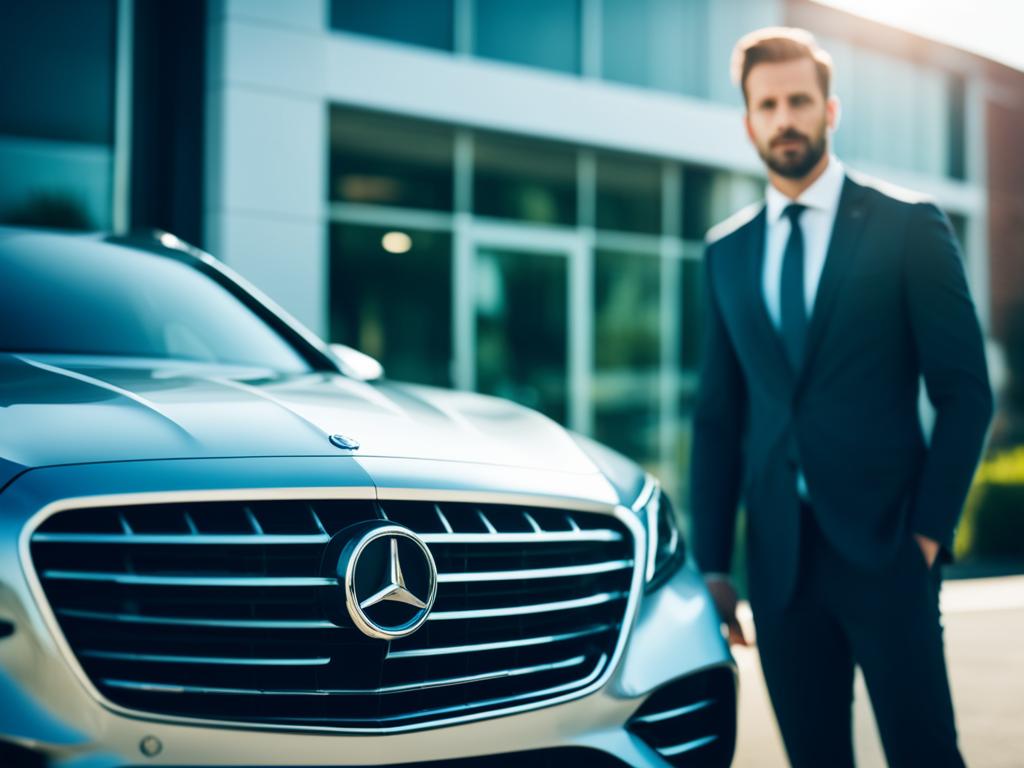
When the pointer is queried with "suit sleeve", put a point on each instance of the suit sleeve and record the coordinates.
(716, 460)
(951, 357)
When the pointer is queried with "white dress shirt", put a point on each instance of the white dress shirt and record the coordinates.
(822, 201)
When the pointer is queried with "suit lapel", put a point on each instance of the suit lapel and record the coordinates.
(769, 340)
(842, 251)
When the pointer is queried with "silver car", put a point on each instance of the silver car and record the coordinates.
(224, 542)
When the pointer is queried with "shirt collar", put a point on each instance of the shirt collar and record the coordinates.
(822, 195)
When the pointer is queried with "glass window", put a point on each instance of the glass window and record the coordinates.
(923, 131)
(418, 22)
(710, 197)
(691, 292)
(539, 33)
(521, 327)
(628, 194)
(390, 297)
(527, 180)
(957, 106)
(56, 113)
(697, 203)
(657, 44)
(58, 64)
(81, 296)
(627, 352)
(382, 160)
(692, 300)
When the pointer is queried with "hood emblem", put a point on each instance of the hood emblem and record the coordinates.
(390, 580)
(346, 443)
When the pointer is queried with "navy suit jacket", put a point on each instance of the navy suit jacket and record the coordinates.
(892, 306)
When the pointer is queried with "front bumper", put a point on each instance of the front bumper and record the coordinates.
(46, 708)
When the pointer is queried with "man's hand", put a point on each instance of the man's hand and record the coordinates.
(724, 595)
(929, 548)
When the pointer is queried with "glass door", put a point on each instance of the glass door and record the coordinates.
(521, 303)
(521, 293)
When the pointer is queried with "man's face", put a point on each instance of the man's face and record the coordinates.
(788, 117)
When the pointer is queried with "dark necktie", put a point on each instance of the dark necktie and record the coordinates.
(793, 305)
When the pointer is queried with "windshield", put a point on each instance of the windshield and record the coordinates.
(71, 295)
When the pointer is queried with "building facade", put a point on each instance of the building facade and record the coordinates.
(494, 195)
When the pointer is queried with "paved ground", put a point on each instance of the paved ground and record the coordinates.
(984, 622)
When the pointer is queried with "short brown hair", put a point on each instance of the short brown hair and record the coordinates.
(778, 44)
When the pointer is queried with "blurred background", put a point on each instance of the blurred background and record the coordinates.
(504, 195)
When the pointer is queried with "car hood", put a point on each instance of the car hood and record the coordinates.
(68, 410)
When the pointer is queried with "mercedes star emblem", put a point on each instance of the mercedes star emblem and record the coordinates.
(389, 577)
(344, 442)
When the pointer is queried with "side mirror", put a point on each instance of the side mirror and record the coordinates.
(357, 364)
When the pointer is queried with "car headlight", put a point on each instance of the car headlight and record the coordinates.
(665, 550)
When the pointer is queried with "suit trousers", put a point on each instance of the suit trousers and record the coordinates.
(885, 621)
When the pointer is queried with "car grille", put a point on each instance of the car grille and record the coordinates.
(220, 610)
(692, 721)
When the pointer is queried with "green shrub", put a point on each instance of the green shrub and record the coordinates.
(993, 522)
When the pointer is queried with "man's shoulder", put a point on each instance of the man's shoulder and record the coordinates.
(734, 225)
(886, 192)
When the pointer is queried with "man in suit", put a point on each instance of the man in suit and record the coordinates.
(827, 304)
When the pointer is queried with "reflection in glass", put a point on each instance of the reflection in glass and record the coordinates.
(521, 327)
(57, 113)
(81, 296)
(539, 33)
(57, 60)
(628, 194)
(692, 300)
(697, 190)
(395, 307)
(384, 160)
(417, 22)
(627, 353)
(656, 44)
(526, 180)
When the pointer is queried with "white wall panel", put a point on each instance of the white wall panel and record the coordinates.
(487, 94)
(283, 258)
(308, 14)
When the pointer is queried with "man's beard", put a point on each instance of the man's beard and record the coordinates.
(795, 165)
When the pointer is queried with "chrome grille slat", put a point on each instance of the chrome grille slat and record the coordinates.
(382, 690)
(225, 602)
(188, 540)
(535, 573)
(256, 527)
(496, 646)
(191, 581)
(444, 520)
(548, 537)
(486, 521)
(688, 746)
(677, 712)
(164, 659)
(127, 618)
(521, 610)
(319, 524)
(305, 581)
(534, 525)
(551, 691)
